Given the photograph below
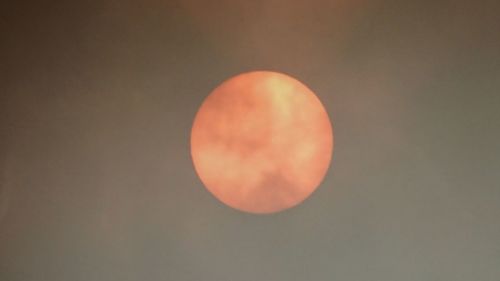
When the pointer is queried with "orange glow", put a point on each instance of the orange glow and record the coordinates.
(261, 142)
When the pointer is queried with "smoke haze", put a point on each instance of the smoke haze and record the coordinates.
(97, 99)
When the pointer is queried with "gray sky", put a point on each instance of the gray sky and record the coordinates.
(97, 99)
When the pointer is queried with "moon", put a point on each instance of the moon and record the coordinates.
(261, 142)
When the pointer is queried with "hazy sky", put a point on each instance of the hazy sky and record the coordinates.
(97, 99)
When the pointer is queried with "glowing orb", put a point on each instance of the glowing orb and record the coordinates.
(261, 142)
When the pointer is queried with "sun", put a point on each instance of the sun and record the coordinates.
(261, 142)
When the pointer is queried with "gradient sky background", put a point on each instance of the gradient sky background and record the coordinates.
(97, 99)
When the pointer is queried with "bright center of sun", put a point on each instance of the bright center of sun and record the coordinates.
(261, 142)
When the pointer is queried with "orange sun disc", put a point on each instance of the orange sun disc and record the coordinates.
(261, 142)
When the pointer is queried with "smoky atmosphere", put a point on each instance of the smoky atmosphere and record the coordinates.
(98, 102)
